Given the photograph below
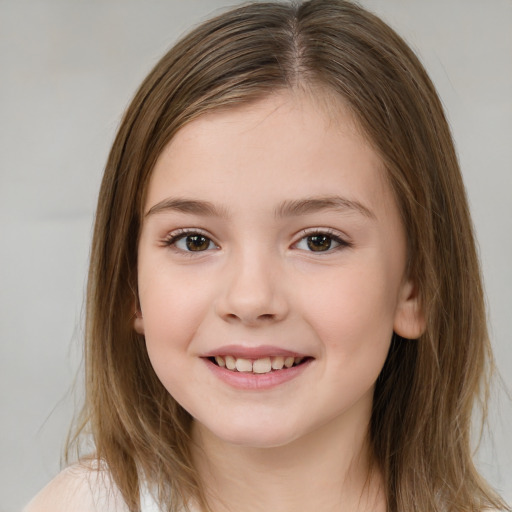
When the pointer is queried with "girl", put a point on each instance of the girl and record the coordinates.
(284, 307)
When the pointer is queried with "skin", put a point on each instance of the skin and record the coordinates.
(256, 282)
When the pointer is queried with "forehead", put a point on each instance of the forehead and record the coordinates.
(288, 144)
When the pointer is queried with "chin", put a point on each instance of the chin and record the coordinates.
(258, 441)
(252, 436)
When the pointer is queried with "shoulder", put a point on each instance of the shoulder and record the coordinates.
(80, 488)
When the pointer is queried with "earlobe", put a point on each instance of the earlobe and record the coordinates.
(410, 320)
(138, 322)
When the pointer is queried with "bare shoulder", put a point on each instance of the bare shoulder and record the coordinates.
(81, 488)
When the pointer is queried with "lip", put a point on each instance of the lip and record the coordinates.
(254, 381)
(241, 351)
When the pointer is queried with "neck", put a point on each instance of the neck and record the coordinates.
(328, 469)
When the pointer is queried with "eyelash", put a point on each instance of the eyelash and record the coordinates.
(180, 234)
(327, 232)
(176, 236)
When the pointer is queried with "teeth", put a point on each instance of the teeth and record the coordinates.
(258, 366)
(262, 365)
(230, 362)
(244, 365)
(277, 363)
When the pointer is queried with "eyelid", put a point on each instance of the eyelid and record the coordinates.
(339, 237)
(177, 234)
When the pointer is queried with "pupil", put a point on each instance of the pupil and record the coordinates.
(319, 242)
(197, 243)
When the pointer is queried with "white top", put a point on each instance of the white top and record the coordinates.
(147, 502)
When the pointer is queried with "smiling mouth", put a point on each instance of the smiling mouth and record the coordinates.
(257, 366)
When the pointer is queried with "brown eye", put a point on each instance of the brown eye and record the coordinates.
(197, 242)
(319, 243)
(191, 241)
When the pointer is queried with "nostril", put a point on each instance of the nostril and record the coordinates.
(258, 318)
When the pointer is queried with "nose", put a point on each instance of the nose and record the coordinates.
(253, 292)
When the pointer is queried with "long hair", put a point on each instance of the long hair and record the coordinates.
(420, 425)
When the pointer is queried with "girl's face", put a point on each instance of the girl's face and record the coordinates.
(271, 238)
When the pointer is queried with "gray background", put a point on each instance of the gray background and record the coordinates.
(69, 68)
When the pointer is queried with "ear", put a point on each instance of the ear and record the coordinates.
(409, 320)
(138, 321)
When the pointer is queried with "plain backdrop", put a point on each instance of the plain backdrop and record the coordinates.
(67, 71)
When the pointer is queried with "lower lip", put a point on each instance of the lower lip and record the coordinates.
(257, 381)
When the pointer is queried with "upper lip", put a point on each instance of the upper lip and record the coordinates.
(261, 351)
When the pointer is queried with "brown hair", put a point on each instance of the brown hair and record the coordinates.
(424, 396)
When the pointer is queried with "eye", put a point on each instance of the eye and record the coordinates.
(189, 241)
(321, 242)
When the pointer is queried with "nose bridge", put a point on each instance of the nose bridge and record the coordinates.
(253, 290)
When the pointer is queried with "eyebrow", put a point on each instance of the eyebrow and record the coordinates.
(184, 205)
(315, 204)
(288, 208)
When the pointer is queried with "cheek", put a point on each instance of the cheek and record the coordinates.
(172, 306)
(172, 310)
(354, 317)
